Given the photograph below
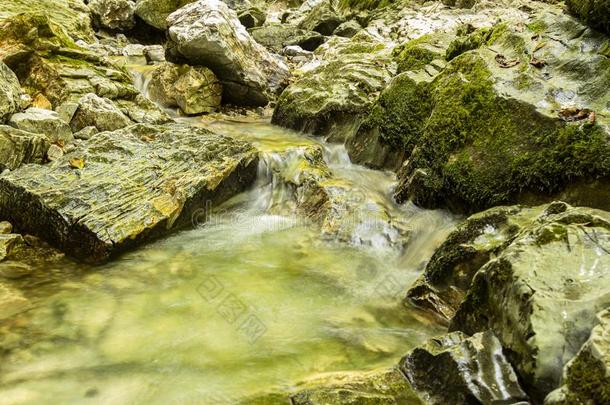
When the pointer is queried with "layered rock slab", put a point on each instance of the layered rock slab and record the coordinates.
(124, 187)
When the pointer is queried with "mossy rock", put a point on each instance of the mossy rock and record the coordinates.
(155, 12)
(541, 291)
(595, 13)
(479, 134)
(71, 15)
(333, 96)
(277, 36)
(449, 273)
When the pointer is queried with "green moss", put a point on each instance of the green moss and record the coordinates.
(415, 54)
(479, 149)
(478, 38)
(587, 379)
(538, 26)
(596, 13)
(400, 113)
(366, 4)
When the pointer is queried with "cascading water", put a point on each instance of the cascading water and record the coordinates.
(261, 296)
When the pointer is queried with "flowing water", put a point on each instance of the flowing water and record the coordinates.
(256, 298)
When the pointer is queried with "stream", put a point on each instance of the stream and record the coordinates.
(256, 298)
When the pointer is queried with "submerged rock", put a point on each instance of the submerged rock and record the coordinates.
(388, 387)
(208, 33)
(195, 89)
(47, 122)
(124, 187)
(11, 95)
(20, 147)
(540, 289)
(12, 302)
(114, 14)
(457, 369)
(587, 376)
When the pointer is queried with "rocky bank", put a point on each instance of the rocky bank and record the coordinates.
(498, 111)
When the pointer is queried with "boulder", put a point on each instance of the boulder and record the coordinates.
(587, 376)
(195, 89)
(20, 147)
(541, 290)
(386, 387)
(47, 122)
(155, 12)
(332, 97)
(208, 33)
(73, 15)
(449, 273)
(12, 302)
(594, 13)
(457, 369)
(510, 119)
(11, 95)
(277, 36)
(124, 187)
(98, 112)
(114, 14)
(5, 227)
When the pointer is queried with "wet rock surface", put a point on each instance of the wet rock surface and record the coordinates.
(541, 291)
(586, 376)
(457, 369)
(78, 203)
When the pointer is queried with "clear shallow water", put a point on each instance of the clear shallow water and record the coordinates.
(255, 299)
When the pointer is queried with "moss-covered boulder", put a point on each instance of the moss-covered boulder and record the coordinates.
(195, 89)
(595, 13)
(323, 18)
(457, 369)
(11, 94)
(384, 387)
(520, 118)
(20, 147)
(448, 274)
(540, 290)
(587, 376)
(333, 96)
(72, 15)
(122, 188)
